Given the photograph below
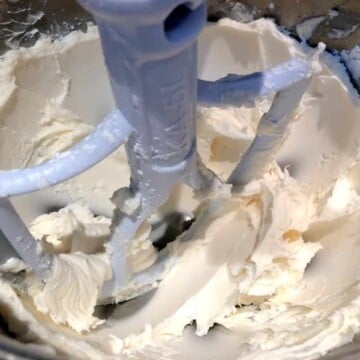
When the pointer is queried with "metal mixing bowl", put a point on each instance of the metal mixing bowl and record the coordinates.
(23, 21)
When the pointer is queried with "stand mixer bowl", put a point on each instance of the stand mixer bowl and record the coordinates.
(56, 20)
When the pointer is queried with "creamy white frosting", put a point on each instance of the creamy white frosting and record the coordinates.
(275, 266)
(13, 265)
(71, 291)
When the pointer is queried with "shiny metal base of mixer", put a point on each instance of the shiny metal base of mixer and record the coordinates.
(58, 18)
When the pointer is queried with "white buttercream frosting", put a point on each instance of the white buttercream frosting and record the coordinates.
(71, 291)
